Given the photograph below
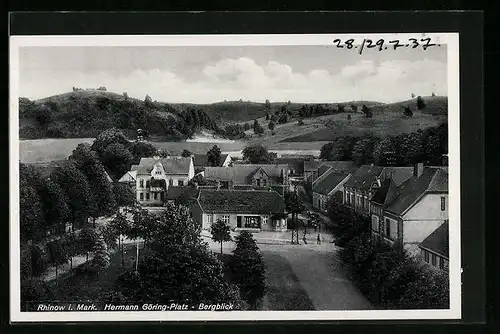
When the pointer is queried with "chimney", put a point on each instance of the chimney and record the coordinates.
(418, 170)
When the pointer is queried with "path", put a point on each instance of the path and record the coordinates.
(305, 270)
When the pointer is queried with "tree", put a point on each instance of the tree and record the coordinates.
(258, 154)
(125, 95)
(75, 185)
(186, 153)
(339, 149)
(101, 255)
(267, 105)
(272, 125)
(73, 247)
(248, 269)
(367, 111)
(294, 205)
(148, 101)
(141, 149)
(267, 116)
(257, 128)
(106, 138)
(38, 261)
(213, 156)
(412, 95)
(197, 180)
(31, 218)
(386, 152)
(354, 108)
(420, 103)
(121, 227)
(123, 194)
(88, 163)
(117, 159)
(340, 108)
(87, 238)
(57, 254)
(362, 152)
(349, 117)
(55, 205)
(220, 232)
(407, 111)
(433, 94)
(246, 126)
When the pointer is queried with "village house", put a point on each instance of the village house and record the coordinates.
(408, 213)
(366, 180)
(153, 176)
(248, 176)
(313, 169)
(254, 210)
(434, 249)
(329, 184)
(200, 161)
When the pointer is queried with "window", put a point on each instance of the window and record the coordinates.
(434, 259)
(141, 196)
(225, 219)
(265, 220)
(210, 218)
(158, 172)
(394, 230)
(387, 227)
(258, 182)
(441, 263)
(375, 223)
(147, 196)
(426, 256)
(147, 184)
(443, 203)
(155, 196)
(264, 182)
(141, 184)
(252, 222)
(180, 183)
(170, 182)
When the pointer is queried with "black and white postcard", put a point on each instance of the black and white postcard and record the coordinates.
(235, 177)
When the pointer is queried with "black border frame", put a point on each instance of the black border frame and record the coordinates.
(468, 24)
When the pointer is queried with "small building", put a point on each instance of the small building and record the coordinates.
(410, 212)
(254, 210)
(434, 249)
(255, 175)
(329, 184)
(200, 161)
(366, 180)
(153, 176)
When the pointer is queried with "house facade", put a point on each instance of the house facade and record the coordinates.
(153, 176)
(327, 185)
(366, 180)
(434, 250)
(410, 212)
(254, 210)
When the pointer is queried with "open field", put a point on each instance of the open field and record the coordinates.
(46, 150)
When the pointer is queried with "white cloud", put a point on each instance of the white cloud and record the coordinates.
(232, 79)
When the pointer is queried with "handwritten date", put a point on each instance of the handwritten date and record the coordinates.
(382, 44)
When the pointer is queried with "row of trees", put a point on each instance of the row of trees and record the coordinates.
(426, 146)
(387, 275)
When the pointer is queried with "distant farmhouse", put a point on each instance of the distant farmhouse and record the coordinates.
(153, 176)
(409, 212)
(254, 210)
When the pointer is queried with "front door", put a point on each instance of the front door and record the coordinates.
(238, 221)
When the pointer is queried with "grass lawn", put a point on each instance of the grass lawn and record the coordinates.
(84, 286)
(284, 289)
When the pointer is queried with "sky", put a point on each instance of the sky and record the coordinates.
(216, 73)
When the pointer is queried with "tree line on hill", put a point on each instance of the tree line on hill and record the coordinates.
(426, 146)
(388, 276)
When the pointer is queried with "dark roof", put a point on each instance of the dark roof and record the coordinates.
(176, 192)
(433, 179)
(364, 177)
(242, 174)
(328, 182)
(201, 160)
(171, 165)
(387, 192)
(339, 166)
(438, 241)
(244, 201)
